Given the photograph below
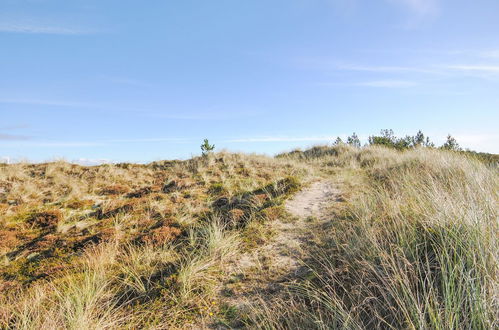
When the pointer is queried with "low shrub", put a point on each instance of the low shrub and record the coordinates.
(45, 219)
(116, 189)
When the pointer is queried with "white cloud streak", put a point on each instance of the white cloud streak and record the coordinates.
(99, 143)
(210, 113)
(430, 70)
(388, 83)
(389, 69)
(405, 75)
(10, 137)
(476, 68)
(32, 28)
(56, 103)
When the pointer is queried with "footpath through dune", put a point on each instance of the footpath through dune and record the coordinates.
(262, 272)
(310, 207)
(313, 201)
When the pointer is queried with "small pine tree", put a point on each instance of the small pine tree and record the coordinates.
(353, 140)
(419, 139)
(206, 147)
(451, 144)
(338, 141)
(388, 134)
(428, 143)
(388, 139)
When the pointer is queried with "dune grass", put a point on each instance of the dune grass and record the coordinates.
(413, 246)
(134, 246)
(416, 248)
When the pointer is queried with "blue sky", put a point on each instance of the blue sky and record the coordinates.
(148, 80)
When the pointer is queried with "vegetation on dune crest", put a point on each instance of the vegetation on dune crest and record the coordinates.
(411, 244)
(388, 139)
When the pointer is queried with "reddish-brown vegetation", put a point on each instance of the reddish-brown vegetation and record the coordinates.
(46, 219)
(115, 189)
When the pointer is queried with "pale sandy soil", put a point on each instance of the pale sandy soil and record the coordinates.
(260, 273)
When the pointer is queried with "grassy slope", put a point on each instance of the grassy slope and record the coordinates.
(129, 244)
(413, 246)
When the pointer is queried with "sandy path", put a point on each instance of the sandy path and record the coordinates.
(266, 268)
(313, 201)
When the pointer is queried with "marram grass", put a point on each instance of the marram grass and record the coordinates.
(416, 249)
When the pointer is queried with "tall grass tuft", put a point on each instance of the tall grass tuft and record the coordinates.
(82, 301)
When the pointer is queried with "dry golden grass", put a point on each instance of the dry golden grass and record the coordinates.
(412, 243)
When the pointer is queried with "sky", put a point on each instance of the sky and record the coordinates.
(94, 81)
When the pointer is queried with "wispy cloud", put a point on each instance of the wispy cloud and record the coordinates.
(476, 68)
(11, 137)
(388, 69)
(437, 69)
(405, 75)
(107, 143)
(83, 144)
(13, 127)
(324, 63)
(57, 103)
(154, 111)
(37, 28)
(388, 83)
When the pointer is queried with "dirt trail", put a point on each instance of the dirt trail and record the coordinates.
(263, 270)
(309, 206)
(313, 201)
